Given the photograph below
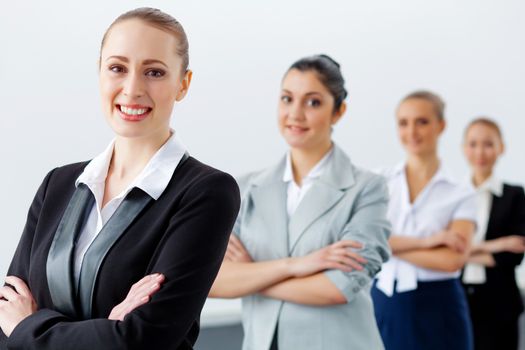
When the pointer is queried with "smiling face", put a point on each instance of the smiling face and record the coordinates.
(418, 126)
(306, 111)
(482, 148)
(140, 79)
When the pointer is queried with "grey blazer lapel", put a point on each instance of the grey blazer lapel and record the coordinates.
(269, 202)
(322, 196)
(317, 202)
(59, 266)
(128, 210)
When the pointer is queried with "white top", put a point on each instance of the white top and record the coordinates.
(440, 202)
(475, 273)
(295, 192)
(153, 180)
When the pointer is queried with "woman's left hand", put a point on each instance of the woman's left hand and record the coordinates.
(236, 252)
(16, 303)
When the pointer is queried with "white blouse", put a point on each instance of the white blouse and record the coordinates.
(296, 192)
(475, 273)
(441, 201)
(153, 180)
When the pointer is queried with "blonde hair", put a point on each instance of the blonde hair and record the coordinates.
(484, 121)
(159, 20)
(437, 102)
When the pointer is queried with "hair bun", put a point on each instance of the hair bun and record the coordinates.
(330, 59)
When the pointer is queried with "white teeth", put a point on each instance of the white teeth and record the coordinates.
(133, 111)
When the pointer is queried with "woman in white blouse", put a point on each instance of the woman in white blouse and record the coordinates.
(418, 299)
(489, 277)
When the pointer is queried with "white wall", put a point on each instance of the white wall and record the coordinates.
(471, 52)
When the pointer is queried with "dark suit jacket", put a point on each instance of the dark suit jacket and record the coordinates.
(183, 235)
(499, 296)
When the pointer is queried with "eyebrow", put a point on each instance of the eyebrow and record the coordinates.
(145, 62)
(307, 94)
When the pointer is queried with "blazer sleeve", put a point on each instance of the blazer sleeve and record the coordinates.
(368, 225)
(507, 259)
(190, 258)
(20, 263)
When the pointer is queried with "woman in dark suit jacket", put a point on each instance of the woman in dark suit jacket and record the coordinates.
(489, 277)
(141, 208)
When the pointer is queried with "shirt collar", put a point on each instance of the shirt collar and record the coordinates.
(314, 173)
(442, 174)
(492, 185)
(153, 179)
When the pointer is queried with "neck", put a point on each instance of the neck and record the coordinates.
(479, 178)
(130, 155)
(423, 167)
(303, 160)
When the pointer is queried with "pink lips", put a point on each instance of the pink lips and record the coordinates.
(296, 129)
(133, 117)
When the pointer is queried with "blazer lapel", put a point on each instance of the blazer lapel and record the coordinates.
(128, 210)
(269, 201)
(60, 257)
(317, 201)
(322, 196)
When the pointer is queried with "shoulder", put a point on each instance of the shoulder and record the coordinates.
(65, 174)
(514, 193)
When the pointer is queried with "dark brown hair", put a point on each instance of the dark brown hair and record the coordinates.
(329, 73)
(159, 20)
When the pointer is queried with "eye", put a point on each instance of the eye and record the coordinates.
(313, 102)
(116, 68)
(155, 73)
(286, 99)
(422, 121)
(402, 123)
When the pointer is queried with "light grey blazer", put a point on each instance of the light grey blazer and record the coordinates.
(345, 202)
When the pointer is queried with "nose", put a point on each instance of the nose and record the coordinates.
(296, 112)
(134, 85)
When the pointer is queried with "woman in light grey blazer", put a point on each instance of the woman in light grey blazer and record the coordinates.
(312, 230)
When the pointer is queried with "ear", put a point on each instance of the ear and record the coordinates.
(502, 148)
(339, 113)
(442, 125)
(184, 85)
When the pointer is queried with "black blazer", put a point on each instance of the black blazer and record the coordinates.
(499, 297)
(183, 235)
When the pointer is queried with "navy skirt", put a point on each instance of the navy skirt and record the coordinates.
(435, 316)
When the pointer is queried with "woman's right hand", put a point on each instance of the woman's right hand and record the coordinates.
(335, 256)
(139, 294)
(448, 238)
(510, 244)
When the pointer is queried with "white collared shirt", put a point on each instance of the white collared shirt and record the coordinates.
(295, 192)
(153, 180)
(475, 273)
(440, 202)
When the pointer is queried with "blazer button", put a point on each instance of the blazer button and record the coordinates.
(356, 289)
(362, 282)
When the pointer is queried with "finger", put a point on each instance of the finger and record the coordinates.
(346, 261)
(348, 243)
(19, 285)
(233, 251)
(148, 279)
(332, 265)
(147, 289)
(8, 293)
(236, 242)
(350, 254)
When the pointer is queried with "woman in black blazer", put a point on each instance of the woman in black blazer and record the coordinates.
(489, 277)
(141, 211)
